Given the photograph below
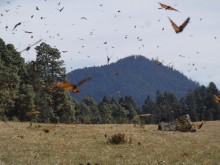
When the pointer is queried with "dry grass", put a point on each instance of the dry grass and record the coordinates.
(75, 144)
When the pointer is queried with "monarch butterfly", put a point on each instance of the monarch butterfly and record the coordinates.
(180, 28)
(32, 112)
(71, 87)
(217, 98)
(138, 116)
(166, 7)
(199, 126)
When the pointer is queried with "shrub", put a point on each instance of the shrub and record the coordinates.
(117, 139)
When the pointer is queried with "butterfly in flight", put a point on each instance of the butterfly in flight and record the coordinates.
(28, 32)
(19, 23)
(72, 87)
(159, 62)
(180, 28)
(199, 126)
(166, 7)
(32, 112)
(217, 98)
(28, 48)
(61, 9)
(83, 18)
(142, 115)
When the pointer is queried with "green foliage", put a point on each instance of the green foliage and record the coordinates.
(25, 87)
(150, 107)
(29, 86)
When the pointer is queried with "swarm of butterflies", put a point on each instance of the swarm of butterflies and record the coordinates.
(177, 29)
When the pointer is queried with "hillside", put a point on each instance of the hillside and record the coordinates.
(137, 77)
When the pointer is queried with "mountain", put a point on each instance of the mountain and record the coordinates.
(134, 76)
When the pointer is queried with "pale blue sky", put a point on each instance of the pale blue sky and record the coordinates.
(84, 39)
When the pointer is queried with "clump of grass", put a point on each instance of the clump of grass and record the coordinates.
(46, 130)
(117, 139)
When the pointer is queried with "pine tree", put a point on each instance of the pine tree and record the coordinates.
(119, 113)
(191, 107)
(212, 112)
(150, 107)
(11, 72)
(55, 104)
(105, 112)
(131, 107)
(95, 114)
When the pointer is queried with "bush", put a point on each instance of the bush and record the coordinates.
(117, 139)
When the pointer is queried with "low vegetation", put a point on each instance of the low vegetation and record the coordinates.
(25, 143)
(117, 139)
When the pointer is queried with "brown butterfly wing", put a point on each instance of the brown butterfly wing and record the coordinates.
(83, 81)
(199, 126)
(175, 27)
(217, 99)
(146, 114)
(170, 8)
(185, 23)
(65, 85)
(163, 5)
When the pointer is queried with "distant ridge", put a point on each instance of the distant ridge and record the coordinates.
(134, 76)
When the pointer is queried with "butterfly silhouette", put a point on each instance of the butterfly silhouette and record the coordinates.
(83, 18)
(28, 32)
(60, 9)
(19, 23)
(180, 28)
(71, 87)
(217, 98)
(28, 48)
(163, 6)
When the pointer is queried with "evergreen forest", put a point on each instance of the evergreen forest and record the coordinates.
(32, 87)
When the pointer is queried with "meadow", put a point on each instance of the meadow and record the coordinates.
(74, 144)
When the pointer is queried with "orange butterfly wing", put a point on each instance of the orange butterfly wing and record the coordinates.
(73, 88)
(217, 98)
(163, 5)
(199, 126)
(175, 27)
(65, 85)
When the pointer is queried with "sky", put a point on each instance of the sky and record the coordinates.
(87, 31)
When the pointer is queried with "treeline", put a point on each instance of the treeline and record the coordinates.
(134, 76)
(31, 87)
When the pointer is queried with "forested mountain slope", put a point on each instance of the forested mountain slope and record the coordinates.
(134, 76)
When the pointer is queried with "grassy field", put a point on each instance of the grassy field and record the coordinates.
(47, 144)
